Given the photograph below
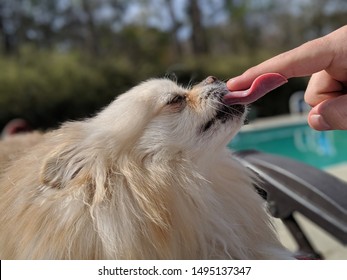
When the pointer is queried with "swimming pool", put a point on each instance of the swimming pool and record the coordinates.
(321, 149)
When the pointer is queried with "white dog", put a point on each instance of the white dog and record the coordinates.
(149, 177)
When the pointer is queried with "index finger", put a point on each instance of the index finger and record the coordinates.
(304, 60)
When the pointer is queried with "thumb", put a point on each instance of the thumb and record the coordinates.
(329, 114)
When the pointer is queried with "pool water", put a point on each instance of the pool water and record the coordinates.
(317, 148)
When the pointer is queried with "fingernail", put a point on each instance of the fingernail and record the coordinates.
(319, 122)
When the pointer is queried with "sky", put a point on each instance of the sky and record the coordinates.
(163, 20)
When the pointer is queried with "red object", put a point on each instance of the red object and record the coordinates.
(16, 126)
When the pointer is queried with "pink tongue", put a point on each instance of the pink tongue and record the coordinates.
(260, 86)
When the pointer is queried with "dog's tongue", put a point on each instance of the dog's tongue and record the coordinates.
(260, 86)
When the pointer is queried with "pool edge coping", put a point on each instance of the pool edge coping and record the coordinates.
(272, 122)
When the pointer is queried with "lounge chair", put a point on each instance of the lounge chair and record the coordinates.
(291, 186)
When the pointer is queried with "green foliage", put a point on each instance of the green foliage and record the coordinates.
(47, 87)
(67, 59)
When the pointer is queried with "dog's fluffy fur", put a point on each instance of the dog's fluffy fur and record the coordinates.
(149, 177)
(12, 147)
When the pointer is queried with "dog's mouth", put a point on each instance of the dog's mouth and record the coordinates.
(214, 91)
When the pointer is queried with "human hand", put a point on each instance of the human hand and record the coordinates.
(326, 59)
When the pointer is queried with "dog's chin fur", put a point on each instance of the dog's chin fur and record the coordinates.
(147, 178)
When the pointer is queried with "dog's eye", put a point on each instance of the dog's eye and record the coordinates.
(176, 99)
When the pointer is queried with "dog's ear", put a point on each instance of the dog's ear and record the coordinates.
(76, 168)
(51, 172)
(70, 166)
(59, 168)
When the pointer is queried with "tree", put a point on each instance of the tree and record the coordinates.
(176, 25)
(198, 34)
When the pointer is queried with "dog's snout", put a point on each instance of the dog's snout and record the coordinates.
(210, 80)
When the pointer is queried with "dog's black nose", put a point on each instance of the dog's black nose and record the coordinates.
(210, 80)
